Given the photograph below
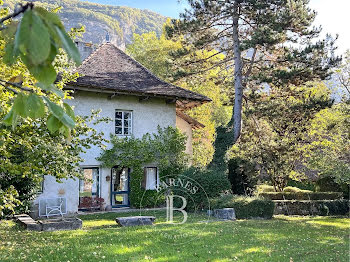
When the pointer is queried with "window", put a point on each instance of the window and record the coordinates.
(150, 178)
(89, 186)
(123, 123)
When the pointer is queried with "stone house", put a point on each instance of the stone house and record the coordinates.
(138, 102)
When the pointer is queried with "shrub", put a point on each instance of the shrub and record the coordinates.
(264, 188)
(301, 195)
(334, 207)
(295, 189)
(305, 185)
(212, 183)
(91, 202)
(245, 207)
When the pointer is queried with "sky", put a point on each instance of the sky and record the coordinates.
(333, 15)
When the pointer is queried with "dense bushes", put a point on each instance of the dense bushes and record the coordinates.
(301, 195)
(211, 182)
(245, 207)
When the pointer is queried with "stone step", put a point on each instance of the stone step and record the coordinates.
(28, 222)
(135, 221)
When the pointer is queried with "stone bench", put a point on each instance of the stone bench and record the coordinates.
(135, 221)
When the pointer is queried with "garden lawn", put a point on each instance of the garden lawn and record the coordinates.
(280, 239)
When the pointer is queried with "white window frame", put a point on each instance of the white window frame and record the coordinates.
(157, 178)
(123, 127)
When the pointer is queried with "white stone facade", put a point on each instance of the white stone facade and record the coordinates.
(146, 117)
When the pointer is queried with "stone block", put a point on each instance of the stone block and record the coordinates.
(135, 221)
(225, 214)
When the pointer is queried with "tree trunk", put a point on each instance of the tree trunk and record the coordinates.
(226, 137)
(237, 108)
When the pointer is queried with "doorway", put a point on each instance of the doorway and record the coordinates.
(120, 187)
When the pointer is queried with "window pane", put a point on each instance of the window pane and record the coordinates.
(127, 115)
(126, 131)
(126, 123)
(118, 122)
(118, 131)
(89, 185)
(118, 114)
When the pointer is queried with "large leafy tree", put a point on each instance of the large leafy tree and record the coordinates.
(40, 134)
(269, 44)
(276, 131)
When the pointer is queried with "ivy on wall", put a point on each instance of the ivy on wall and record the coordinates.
(165, 149)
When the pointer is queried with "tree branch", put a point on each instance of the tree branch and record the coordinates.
(17, 12)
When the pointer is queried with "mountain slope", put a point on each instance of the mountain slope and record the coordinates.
(120, 22)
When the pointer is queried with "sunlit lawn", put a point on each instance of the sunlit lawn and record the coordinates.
(280, 239)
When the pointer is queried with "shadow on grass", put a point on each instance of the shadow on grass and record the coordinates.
(280, 239)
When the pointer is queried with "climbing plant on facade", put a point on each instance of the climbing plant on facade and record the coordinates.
(166, 149)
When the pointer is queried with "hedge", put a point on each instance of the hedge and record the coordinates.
(301, 195)
(245, 207)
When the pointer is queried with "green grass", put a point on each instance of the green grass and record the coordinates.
(280, 239)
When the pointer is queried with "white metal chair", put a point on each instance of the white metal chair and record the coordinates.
(55, 208)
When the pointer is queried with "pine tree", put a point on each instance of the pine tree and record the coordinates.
(270, 44)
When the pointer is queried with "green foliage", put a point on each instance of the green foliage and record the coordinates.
(295, 190)
(275, 132)
(328, 183)
(212, 183)
(155, 53)
(301, 195)
(36, 40)
(255, 37)
(29, 152)
(8, 200)
(339, 207)
(245, 207)
(242, 175)
(165, 148)
(329, 150)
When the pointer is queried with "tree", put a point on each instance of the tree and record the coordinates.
(343, 75)
(36, 40)
(266, 42)
(329, 151)
(276, 131)
(48, 140)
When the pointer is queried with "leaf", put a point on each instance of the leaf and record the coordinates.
(59, 113)
(53, 124)
(69, 111)
(35, 106)
(32, 38)
(10, 118)
(10, 54)
(19, 105)
(69, 45)
(49, 17)
(43, 73)
(51, 88)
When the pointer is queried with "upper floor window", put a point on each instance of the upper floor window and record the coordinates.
(123, 123)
